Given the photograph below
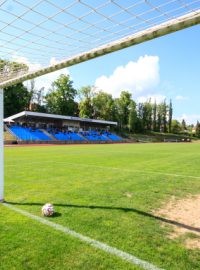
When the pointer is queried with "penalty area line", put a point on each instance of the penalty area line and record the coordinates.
(94, 243)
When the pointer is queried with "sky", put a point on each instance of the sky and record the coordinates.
(164, 68)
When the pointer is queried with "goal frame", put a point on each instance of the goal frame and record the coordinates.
(188, 20)
(1, 148)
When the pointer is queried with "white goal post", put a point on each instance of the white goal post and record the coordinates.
(1, 148)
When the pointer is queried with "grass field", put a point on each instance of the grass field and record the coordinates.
(105, 192)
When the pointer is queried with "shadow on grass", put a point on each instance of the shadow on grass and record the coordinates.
(56, 214)
(124, 209)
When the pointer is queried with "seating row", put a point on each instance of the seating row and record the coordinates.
(34, 134)
(29, 134)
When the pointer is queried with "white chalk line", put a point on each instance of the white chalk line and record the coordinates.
(94, 243)
(109, 168)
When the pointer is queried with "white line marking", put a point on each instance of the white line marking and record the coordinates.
(109, 168)
(97, 244)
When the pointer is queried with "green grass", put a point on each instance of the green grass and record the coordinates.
(88, 186)
(151, 136)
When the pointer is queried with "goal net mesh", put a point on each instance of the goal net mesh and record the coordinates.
(47, 35)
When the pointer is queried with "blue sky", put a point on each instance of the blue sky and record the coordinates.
(177, 74)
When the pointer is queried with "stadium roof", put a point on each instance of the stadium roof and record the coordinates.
(56, 116)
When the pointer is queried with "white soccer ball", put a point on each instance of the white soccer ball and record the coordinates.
(47, 210)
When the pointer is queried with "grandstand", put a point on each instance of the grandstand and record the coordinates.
(36, 127)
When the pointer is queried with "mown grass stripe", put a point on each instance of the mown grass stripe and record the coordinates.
(97, 244)
(109, 168)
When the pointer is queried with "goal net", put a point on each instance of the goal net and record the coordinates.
(48, 35)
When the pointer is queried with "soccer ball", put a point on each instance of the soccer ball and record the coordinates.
(47, 210)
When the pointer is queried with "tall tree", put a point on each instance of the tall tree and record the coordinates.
(37, 98)
(122, 105)
(32, 93)
(61, 98)
(86, 95)
(164, 115)
(132, 119)
(159, 118)
(154, 116)
(16, 99)
(103, 106)
(176, 126)
(162, 111)
(170, 116)
(183, 125)
(147, 115)
(198, 129)
(140, 117)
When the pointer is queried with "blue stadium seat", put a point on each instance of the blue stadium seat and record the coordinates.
(65, 136)
(112, 136)
(29, 134)
(94, 136)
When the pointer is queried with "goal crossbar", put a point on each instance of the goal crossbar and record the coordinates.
(182, 22)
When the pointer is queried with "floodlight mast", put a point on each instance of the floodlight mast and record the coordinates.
(1, 148)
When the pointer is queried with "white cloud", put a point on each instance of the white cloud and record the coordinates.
(154, 98)
(53, 61)
(189, 118)
(24, 60)
(139, 78)
(32, 66)
(180, 98)
(45, 80)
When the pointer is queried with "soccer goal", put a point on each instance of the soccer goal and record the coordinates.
(48, 35)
